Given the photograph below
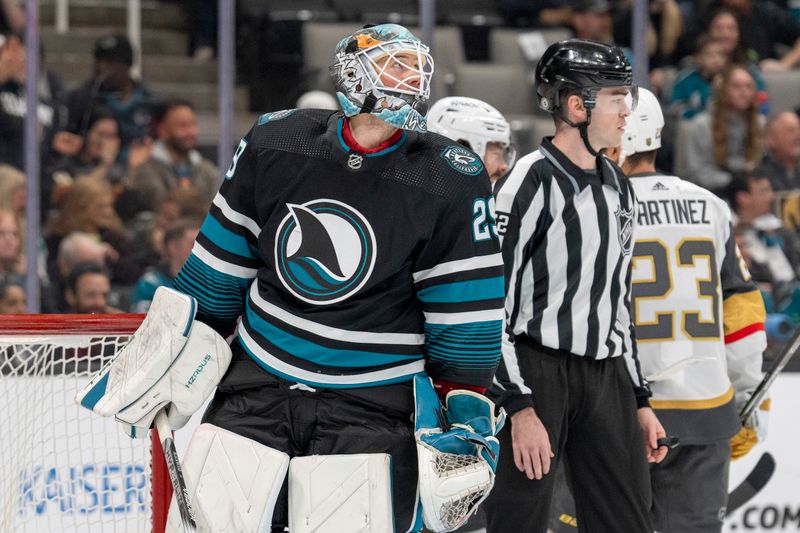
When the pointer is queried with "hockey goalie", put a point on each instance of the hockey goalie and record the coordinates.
(356, 266)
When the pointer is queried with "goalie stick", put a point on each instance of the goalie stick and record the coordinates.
(175, 473)
(769, 377)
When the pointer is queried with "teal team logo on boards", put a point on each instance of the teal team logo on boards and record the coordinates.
(324, 251)
(462, 160)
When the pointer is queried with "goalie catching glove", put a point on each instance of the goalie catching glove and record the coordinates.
(172, 362)
(457, 453)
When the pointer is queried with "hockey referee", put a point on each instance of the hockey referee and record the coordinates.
(565, 216)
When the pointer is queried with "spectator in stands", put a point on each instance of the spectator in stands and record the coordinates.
(89, 207)
(13, 104)
(13, 194)
(76, 248)
(149, 228)
(88, 289)
(12, 17)
(97, 158)
(178, 242)
(113, 87)
(723, 26)
(773, 249)
(725, 138)
(12, 299)
(765, 26)
(693, 87)
(12, 259)
(174, 162)
(781, 163)
(591, 19)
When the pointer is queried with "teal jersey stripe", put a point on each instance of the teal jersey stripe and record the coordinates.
(289, 377)
(458, 349)
(322, 355)
(218, 294)
(226, 239)
(464, 291)
(471, 345)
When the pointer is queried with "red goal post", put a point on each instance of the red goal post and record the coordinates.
(64, 468)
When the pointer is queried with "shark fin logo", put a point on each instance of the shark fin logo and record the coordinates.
(324, 251)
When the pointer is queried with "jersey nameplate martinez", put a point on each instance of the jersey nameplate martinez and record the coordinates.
(462, 160)
(325, 251)
(274, 115)
(625, 225)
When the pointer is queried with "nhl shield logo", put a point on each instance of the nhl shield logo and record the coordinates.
(355, 161)
(625, 226)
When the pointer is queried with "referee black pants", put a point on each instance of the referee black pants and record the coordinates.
(589, 410)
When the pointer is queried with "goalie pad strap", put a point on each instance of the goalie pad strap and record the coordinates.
(233, 482)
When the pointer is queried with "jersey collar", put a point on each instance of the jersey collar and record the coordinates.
(608, 172)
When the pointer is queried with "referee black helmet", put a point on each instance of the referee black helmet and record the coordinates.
(581, 65)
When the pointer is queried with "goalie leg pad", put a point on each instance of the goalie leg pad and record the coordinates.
(233, 482)
(342, 493)
(145, 358)
(190, 380)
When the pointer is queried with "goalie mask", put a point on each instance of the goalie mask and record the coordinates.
(473, 122)
(386, 71)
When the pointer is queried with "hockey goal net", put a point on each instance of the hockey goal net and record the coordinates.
(63, 468)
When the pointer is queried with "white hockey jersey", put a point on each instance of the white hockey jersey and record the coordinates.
(699, 318)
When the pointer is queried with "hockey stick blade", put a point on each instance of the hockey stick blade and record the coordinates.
(780, 362)
(753, 483)
(175, 473)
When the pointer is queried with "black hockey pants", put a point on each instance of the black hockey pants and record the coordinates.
(275, 412)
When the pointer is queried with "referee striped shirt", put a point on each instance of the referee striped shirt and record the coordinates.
(567, 238)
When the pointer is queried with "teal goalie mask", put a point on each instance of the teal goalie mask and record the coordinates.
(386, 71)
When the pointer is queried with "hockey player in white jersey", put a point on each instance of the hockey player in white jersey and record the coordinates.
(478, 126)
(700, 329)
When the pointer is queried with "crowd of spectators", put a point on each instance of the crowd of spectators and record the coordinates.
(124, 187)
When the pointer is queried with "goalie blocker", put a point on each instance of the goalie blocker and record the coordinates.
(172, 362)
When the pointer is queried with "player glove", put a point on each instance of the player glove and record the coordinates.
(753, 431)
(457, 453)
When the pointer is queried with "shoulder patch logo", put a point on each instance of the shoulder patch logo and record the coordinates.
(462, 160)
(625, 228)
(660, 187)
(275, 115)
(324, 251)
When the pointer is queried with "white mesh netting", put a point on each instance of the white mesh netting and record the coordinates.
(63, 468)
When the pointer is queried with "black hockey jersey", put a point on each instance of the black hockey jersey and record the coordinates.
(351, 269)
